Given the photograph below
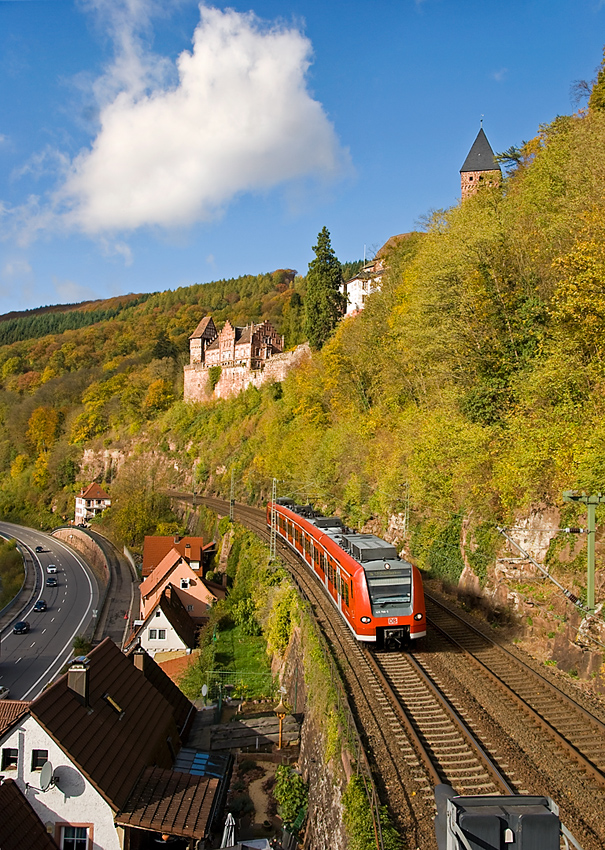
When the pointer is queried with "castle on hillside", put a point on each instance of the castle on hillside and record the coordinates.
(250, 355)
(251, 346)
(479, 168)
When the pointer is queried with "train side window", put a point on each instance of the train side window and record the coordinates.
(351, 591)
(345, 585)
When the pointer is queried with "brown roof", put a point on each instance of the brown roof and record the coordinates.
(94, 491)
(11, 710)
(156, 548)
(160, 573)
(245, 334)
(20, 826)
(175, 667)
(177, 616)
(206, 328)
(392, 242)
(123, 729)
(182, 710)
(167, 801)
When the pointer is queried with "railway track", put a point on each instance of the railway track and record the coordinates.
(419, 736)
(568, 724)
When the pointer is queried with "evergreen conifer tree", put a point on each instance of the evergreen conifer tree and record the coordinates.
(597, 96)
(324, 303)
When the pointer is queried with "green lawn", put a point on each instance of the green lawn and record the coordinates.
(246, 657)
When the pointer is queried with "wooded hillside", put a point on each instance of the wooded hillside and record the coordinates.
(471, 387)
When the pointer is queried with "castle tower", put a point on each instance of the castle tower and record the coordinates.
(480, 167)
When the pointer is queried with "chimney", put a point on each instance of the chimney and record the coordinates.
(177, 539)
(140, 659)
(188, 551)
(77, 678)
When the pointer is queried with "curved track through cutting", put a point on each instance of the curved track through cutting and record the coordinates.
(420, 730)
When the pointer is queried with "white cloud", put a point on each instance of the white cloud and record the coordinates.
(16, 269)
(69, 292)
(500, 74)
(237, 118)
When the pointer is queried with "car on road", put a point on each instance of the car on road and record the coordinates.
(4, 692)
(21, 628)
(40, 605)
(51, 581)
(51, 568)
(39, 548)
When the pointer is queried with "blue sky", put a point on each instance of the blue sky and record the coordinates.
(143, 149)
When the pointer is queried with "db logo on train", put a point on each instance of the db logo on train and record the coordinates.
(392, 621)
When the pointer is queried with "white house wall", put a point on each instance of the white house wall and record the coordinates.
(172, 641)
(74, 802)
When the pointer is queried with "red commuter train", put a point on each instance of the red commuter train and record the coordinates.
(379, 595)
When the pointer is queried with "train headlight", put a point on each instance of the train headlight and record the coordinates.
(366, 620)
(418, 616)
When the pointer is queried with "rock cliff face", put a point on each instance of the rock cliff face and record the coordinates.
(235, 379)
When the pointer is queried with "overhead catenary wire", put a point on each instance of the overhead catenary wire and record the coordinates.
(571, 596)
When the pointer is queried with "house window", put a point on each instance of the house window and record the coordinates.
(10, 758)
(74, 838)
(190, 607)
(161, 634)
(39, 757)
(184, 583)
(157, 613)
(153, 634)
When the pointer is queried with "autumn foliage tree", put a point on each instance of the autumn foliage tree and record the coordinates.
(42, 428)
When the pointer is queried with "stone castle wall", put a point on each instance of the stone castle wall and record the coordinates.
(235, 379)
(470, 181)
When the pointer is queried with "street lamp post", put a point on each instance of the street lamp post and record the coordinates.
(281, 712)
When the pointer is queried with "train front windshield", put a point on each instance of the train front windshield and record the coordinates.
(389, 590)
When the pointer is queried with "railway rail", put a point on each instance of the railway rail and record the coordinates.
(416, 734)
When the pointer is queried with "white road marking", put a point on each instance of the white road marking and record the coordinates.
(17, 661)
(43, 630)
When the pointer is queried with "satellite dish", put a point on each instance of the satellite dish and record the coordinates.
(46, 776)
(204, 690)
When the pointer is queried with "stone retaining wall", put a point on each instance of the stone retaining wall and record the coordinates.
(324, 829)
(81, 542)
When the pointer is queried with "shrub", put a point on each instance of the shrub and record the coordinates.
(214, 376)
(290, 792)
(359, 822)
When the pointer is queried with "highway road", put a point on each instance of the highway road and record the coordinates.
(29, 662)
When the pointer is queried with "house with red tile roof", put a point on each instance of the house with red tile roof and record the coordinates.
(156, 547)
(196, 595)
(91, 502)
(167, 627)
(112, 729)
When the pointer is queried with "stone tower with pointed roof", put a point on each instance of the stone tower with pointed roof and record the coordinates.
(480, 167)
